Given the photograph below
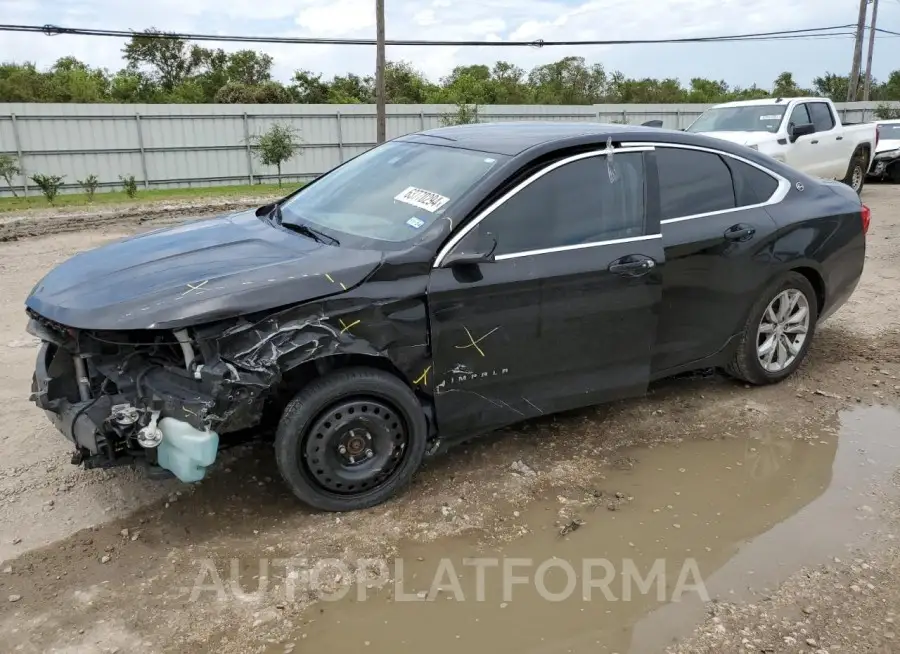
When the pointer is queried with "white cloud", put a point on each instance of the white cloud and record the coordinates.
(494, 20)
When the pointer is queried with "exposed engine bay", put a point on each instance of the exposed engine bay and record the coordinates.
(106, 392)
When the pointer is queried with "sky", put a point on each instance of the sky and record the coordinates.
(737, 63)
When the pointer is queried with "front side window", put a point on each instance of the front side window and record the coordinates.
(574, 204)
(748, 118)
(692, 182)
(821, 116)
(799, 116)
(390, 193)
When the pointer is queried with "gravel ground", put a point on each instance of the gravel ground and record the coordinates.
(103, 561)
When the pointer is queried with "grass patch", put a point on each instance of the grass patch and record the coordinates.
(37, 201)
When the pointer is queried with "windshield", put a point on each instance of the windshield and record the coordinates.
(390, 193)
(752, 118)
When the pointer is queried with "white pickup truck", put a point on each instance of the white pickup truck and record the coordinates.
(805, 133)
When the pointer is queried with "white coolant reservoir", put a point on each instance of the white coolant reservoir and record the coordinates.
(186, 451)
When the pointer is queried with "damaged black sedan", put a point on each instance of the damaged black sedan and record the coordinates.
(439, 286)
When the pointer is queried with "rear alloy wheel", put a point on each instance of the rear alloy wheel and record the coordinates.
(856, 174)
(778, 333)
(351, 439)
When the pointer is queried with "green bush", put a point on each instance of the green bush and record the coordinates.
(89, 184)
(129, 185)
(886, 112)
(49, 185)
(9, 168)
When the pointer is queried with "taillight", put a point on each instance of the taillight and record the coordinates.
(866, 218)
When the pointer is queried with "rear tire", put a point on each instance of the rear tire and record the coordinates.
(856, 173)
(351, 439)
(752, 362)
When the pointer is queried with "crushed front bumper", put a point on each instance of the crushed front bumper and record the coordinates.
(81, 421)
(883, 161)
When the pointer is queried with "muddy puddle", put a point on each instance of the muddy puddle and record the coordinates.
(642, 549)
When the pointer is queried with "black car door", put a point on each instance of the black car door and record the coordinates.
(716, 232)
(565, 315)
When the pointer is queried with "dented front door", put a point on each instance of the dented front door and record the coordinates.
(484, 336)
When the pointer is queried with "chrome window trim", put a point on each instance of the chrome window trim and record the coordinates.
(781, 191)
(580, 246)
(454, 240)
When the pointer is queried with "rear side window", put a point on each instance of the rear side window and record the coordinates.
(751, 185)
(821, 116)
(574, 204)
(692, 182)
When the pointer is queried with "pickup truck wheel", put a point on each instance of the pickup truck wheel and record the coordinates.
(351, 439)
(778, 332)
(856, 174)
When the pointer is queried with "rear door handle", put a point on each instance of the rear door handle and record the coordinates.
(740, 232)
(632, 265)
(814, 142)
(840, 138)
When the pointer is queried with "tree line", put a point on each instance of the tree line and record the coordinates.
(176, 71)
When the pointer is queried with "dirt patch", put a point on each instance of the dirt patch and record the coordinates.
(99, 561)
(41, 222)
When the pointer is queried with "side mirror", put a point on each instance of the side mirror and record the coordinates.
(796, 131)
(483, 252)
(265, 209)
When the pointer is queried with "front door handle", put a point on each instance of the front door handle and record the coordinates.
(632, 265)
(740, 232)
(839, 138)
(814, 142)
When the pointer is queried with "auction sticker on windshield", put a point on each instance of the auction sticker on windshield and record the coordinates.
(427, 200)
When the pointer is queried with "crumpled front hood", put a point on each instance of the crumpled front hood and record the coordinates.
(194, 273)
(743, 138)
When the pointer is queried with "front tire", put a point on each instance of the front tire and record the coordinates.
(351, 439)
(856, 173)
(778, 333)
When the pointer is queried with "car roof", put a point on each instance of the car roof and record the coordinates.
(768, 101)
(529, 139)
(513, 138)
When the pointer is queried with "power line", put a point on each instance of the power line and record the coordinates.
(797, 34)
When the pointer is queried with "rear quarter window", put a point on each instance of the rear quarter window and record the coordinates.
(751, 185)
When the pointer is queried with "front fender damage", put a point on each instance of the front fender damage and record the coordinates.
(262, 354)
(228, 377)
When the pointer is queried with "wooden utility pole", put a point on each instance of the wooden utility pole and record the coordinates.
(381, 119)
(857, 51)
(868, 83)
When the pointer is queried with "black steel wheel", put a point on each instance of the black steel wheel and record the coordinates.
(351, 439)
(354, 445)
